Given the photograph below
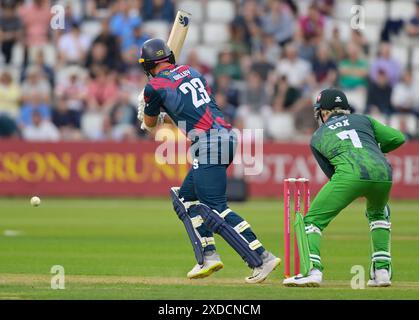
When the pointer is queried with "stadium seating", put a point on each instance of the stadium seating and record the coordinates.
(281, 126)
(91, 124)
(372, 32)
(404, 9)
(157, 29)
(415, 57)
(194, 34)
(303, 5)
(208, 54)
(215, 33)
(401, 54)
(253, 121)
(357, 99)
(18, 54)
(220, 11)
(342, 9)
(406, 122)
(91, 29)
(375, 10)
(193, 7)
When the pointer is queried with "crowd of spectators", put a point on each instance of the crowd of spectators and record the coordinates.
(266, 76)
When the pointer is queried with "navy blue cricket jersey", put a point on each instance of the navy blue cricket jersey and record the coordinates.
(184, 94)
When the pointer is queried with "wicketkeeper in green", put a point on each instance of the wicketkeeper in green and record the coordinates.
(350, 150)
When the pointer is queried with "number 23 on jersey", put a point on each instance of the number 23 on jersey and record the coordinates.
(200, 96)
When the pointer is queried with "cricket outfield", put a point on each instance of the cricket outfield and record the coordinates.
(138, 249)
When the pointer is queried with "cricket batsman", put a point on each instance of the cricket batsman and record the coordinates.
(350, 150)
(180, 95)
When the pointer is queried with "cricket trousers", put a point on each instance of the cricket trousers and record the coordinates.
(206, 182)
(337, 194)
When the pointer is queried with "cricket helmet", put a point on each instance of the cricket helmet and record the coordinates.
(153, 52)
(331, 98)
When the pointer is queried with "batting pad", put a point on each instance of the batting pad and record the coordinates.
(302, 241)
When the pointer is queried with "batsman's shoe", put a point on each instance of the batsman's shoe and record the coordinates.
(270, 263)
(212, 263)
(314, 279)
(382, 279)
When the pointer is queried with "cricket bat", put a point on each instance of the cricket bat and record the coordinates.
(179, 31)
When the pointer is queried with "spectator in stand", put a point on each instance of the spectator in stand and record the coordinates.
(29, 107)
(123, 23)
(70, 19)
(66, 120)
(131, 51)
(98, 57)
(311, 26)
(254, 98)
(8, 127)
(73, 46)
(405, 96)
(379, 94)
(111, 44)
(279, 22)
(325, 7)
(385, 62)
(131, 82)
(158, 10)
(270, 49)
(224, 85)
(228, 110)
(227, 63)
(9, 95)
(324, 67)
(40, 129)
(139, 37)
(123, 118)
(10, 30)
(296, 70)
(262, 66)
(412, 27)
(195, 62)
(102, 90)
(359, 39)
(40, 63)
(238, 40)
(73, 90)
(249, 20)
(36, 86)
(336, 45)
(286, 97)
(36, 17)
(353, 70)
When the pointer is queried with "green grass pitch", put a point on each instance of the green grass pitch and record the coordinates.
(138, 249)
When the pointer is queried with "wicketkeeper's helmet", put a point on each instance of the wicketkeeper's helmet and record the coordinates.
(153, 52)
(330, 99)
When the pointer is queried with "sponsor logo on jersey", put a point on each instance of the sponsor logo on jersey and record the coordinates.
(319, 97)
(184, 21)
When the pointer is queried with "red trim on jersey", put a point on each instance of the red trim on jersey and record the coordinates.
(208, 88)
(206, 121)
(182, 68)
(162, 83)
(171, 66)
(223, 123)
